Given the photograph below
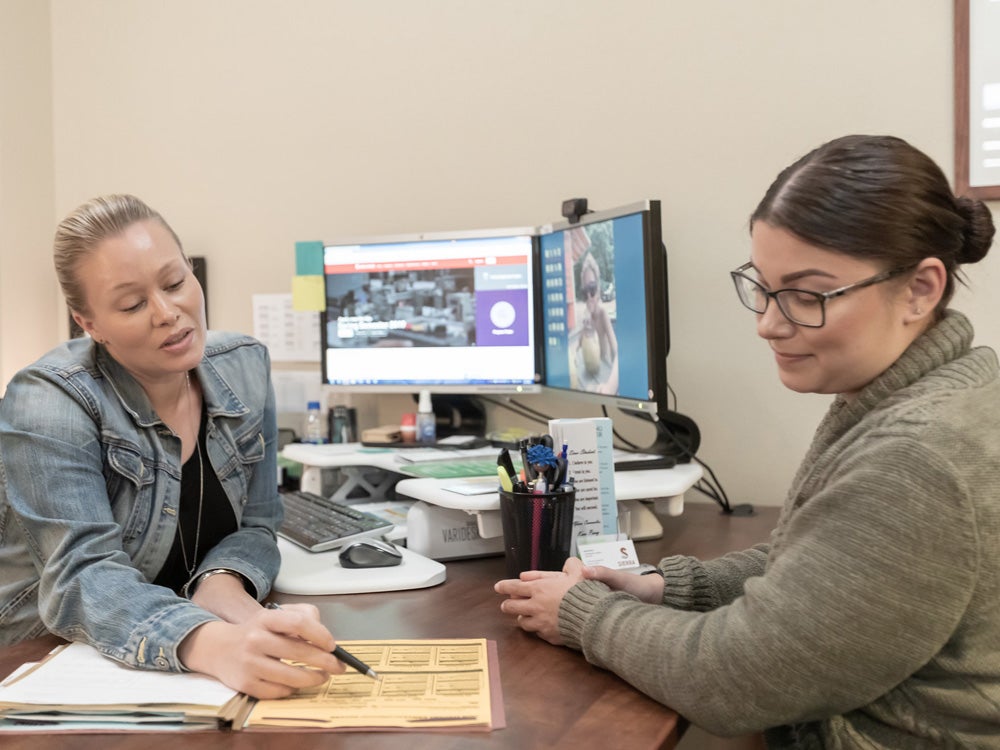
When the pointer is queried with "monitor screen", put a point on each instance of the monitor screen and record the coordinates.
(604, 307)
(449, 313)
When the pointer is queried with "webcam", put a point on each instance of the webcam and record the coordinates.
(574, 208)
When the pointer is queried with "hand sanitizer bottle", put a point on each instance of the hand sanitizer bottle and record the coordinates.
(426, 421)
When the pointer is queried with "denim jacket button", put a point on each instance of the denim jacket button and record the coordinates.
(161, 662)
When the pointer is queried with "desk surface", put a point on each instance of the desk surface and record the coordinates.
(553, 698)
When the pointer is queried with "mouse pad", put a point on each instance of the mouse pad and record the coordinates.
(304, 572)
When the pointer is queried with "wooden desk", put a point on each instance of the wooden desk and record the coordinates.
(553, 698)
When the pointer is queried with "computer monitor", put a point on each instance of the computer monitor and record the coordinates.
(604, 307)
(604, 310)
(451, 312)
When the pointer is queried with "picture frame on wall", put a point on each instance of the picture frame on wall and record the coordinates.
(977, 98)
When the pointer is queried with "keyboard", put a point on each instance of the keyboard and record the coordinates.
(319, 524)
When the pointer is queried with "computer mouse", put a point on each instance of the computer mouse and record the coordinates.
(370, 553)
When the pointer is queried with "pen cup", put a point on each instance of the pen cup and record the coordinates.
(537, 529)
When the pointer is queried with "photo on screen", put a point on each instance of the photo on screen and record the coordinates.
(593, 343)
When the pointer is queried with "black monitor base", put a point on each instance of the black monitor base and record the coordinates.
(658, 462)
(676, 442)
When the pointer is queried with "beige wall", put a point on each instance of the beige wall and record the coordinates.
(252, 124)
(28, 297)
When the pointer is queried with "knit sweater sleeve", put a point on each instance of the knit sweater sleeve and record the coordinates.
(689, 583)
(867, 580)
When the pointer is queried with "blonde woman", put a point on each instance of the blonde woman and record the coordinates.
(139, 500)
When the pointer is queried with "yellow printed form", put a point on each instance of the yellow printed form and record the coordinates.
(421, 684)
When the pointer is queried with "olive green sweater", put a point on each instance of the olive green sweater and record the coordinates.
(872, 619)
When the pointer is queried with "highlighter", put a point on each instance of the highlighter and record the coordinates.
(506, 483)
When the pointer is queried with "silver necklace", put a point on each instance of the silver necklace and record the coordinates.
(201, 489)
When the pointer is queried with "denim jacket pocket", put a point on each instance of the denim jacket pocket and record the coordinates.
(130, 489)
(250, 449)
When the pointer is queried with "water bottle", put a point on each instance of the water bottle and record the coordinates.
(426, 421)
(313, 432)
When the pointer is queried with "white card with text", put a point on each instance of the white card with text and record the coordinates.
(614, 554)
(591, 467)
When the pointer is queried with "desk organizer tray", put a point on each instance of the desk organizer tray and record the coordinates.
(304, 572)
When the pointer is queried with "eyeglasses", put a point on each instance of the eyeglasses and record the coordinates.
(799, 306)
(590, 289)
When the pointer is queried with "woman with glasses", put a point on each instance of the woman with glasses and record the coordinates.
(872, 619)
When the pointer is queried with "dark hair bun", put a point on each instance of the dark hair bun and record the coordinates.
(979, 230)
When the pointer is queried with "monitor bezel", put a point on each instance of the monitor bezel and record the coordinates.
(657, 310)
(443, 387)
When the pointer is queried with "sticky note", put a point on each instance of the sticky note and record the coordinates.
(308, 258)
(308, 293)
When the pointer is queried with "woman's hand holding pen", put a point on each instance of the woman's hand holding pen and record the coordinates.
(251, 656)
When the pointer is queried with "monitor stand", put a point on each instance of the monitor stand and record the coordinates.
(642, 523)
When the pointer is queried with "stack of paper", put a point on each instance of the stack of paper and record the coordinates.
(75, 687)
(423, 684)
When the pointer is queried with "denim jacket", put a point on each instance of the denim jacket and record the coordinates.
(90, 482)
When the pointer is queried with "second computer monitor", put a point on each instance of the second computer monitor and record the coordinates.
(604, 307)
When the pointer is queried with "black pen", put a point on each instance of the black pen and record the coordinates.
(529, 473)
(347, 658)
(353, 661)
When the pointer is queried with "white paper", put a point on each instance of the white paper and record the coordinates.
(290, 335)
(421, 455)
(80, 675)
(294, 389)
(475, 486)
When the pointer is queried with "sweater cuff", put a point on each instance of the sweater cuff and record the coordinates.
(576, 607)
(686, 584)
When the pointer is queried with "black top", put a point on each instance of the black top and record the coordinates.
(217, 517)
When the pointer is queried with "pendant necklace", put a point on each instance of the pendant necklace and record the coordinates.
(201, 490)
